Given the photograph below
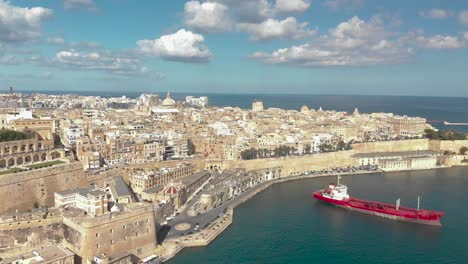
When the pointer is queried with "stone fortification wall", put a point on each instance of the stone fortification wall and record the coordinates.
(295, 165)
(452, 145)
(392, 146)
(24, 190)
(28, 224)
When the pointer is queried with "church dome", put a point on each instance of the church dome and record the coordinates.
(171, 190)
(168, 102)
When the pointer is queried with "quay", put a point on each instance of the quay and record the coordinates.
(172, 246)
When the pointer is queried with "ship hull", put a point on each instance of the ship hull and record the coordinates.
(381, 213)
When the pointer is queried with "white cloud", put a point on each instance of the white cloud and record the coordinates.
(207, 16)
(220, 15)
(80, 4)
(352, 43)
(19, 24)
(463, 17)
(436, 13)
(119, 64)
(441, 42)
(269, 29)
(292, 6)
(184, 46)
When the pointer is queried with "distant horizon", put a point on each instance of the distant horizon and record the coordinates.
(215, 93)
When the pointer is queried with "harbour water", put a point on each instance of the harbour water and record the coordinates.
(284, 224)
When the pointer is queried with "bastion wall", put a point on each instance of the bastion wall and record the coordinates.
(25, 190)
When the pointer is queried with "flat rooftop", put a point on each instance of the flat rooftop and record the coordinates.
(45, 255)
(189, 180)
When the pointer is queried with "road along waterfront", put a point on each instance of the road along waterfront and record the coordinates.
(284, 224)
(172, 246)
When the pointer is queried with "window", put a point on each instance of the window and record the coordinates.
(98, 245)
(97, 234)
(112, 241)
(111, 230)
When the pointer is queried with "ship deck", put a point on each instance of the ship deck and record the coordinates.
(383, 208)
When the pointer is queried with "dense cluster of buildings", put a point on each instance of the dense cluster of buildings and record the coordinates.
(116, 221)
(154, 129)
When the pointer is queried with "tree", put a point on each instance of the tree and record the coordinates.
(431, 134)
(326, 147)
(12, 135)
(249, 154)
(444, 134)
(341, 145)
(348, 146)
(307, 148)
(463, 150)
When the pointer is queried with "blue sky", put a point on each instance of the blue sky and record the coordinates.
(236, 46)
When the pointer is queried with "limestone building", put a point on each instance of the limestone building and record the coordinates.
(396, 161)
(48, 255)
(132, 229)
(45, 128)
(89, 199)
(28, 151)
(257, 106)
(142, 180)
(232, 183)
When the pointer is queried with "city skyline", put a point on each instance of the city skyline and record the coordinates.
(228, 46)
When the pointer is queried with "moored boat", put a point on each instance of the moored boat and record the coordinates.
(337, 194)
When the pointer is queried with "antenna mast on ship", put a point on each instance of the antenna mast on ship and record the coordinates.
(418, 202)
(397, 204)
(339, 177)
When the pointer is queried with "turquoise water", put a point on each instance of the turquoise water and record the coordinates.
(284, 224)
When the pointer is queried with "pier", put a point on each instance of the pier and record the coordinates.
(455, 124)
(446, 123)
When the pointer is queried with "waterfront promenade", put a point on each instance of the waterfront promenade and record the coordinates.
(223, 215)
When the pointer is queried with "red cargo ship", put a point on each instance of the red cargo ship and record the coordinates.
(338, 195)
